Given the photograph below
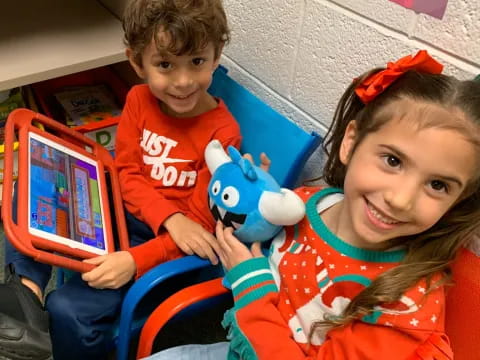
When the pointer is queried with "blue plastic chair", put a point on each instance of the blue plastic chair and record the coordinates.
(263, 130)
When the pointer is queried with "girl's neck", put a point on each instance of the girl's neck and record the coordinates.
(338, 223)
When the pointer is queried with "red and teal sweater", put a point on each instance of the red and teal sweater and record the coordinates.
(311, 273)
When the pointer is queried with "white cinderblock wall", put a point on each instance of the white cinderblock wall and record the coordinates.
(299, 55)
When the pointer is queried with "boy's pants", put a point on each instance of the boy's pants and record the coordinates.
(217, 351)
(81, 317)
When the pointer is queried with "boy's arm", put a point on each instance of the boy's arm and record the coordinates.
(168, 245)
(164, 248)
(153, 252)
(257, 329)
(139, 196)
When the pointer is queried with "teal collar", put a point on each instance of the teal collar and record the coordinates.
(324, 232)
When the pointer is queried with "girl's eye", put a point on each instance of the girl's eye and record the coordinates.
(439, 185)
(392, 160)
(198, 61)
(165, 65)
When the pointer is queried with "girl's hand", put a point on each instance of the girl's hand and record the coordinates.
(233, 252)
(113, 270)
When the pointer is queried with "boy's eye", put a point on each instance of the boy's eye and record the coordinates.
(198, 61)
(439, 185)
(165, 65)
(392, 160)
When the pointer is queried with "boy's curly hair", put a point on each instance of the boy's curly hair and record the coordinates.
(190, 24)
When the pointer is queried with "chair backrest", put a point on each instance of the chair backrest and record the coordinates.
(265, 130)
(463, 307)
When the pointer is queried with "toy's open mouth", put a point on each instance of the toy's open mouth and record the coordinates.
(227, 218)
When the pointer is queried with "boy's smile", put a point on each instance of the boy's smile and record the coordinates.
(401, 179)
(177, 105)
(179, 82)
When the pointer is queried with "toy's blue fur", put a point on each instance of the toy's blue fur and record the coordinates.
(236, 187)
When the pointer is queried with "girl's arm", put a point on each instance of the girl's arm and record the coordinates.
(258, 330)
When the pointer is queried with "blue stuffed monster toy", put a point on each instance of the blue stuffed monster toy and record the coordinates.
(247, 198)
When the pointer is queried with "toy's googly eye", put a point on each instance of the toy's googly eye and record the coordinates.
(216, 187)
(230, 196)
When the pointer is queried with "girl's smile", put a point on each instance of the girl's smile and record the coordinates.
(378, 218)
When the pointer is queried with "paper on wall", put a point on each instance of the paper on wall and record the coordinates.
(434, 8)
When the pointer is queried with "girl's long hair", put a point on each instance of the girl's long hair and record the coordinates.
(431, 251)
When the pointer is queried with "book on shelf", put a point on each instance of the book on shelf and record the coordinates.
(9, 100)
(85, 104)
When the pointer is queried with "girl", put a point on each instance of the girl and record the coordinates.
(362, 275)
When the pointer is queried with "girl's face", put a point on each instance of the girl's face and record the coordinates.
(400, 180)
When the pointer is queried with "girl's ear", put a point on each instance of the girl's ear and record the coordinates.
(133, 62)
(348, 142)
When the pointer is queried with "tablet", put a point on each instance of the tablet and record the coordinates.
(64, 205)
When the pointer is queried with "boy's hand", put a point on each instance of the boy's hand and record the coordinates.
(191, 237)
(233, 251)
(265, 162)
(113, 270)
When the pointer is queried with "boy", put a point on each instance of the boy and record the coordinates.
(174, 46)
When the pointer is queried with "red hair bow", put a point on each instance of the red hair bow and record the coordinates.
(378, 82)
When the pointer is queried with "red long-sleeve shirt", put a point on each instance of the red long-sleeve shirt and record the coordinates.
(162, 169)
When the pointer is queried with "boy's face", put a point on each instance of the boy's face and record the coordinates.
(179, 82)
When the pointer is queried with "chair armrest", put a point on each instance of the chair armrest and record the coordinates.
(142, 286)
(172, 306)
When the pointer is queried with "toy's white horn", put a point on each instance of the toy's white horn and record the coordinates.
(215, 155)
(283, 208)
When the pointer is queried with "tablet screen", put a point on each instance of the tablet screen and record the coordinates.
(64, 199)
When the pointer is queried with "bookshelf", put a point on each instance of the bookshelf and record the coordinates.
(44, 39)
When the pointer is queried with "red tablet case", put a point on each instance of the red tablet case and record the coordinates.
(20, 122)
